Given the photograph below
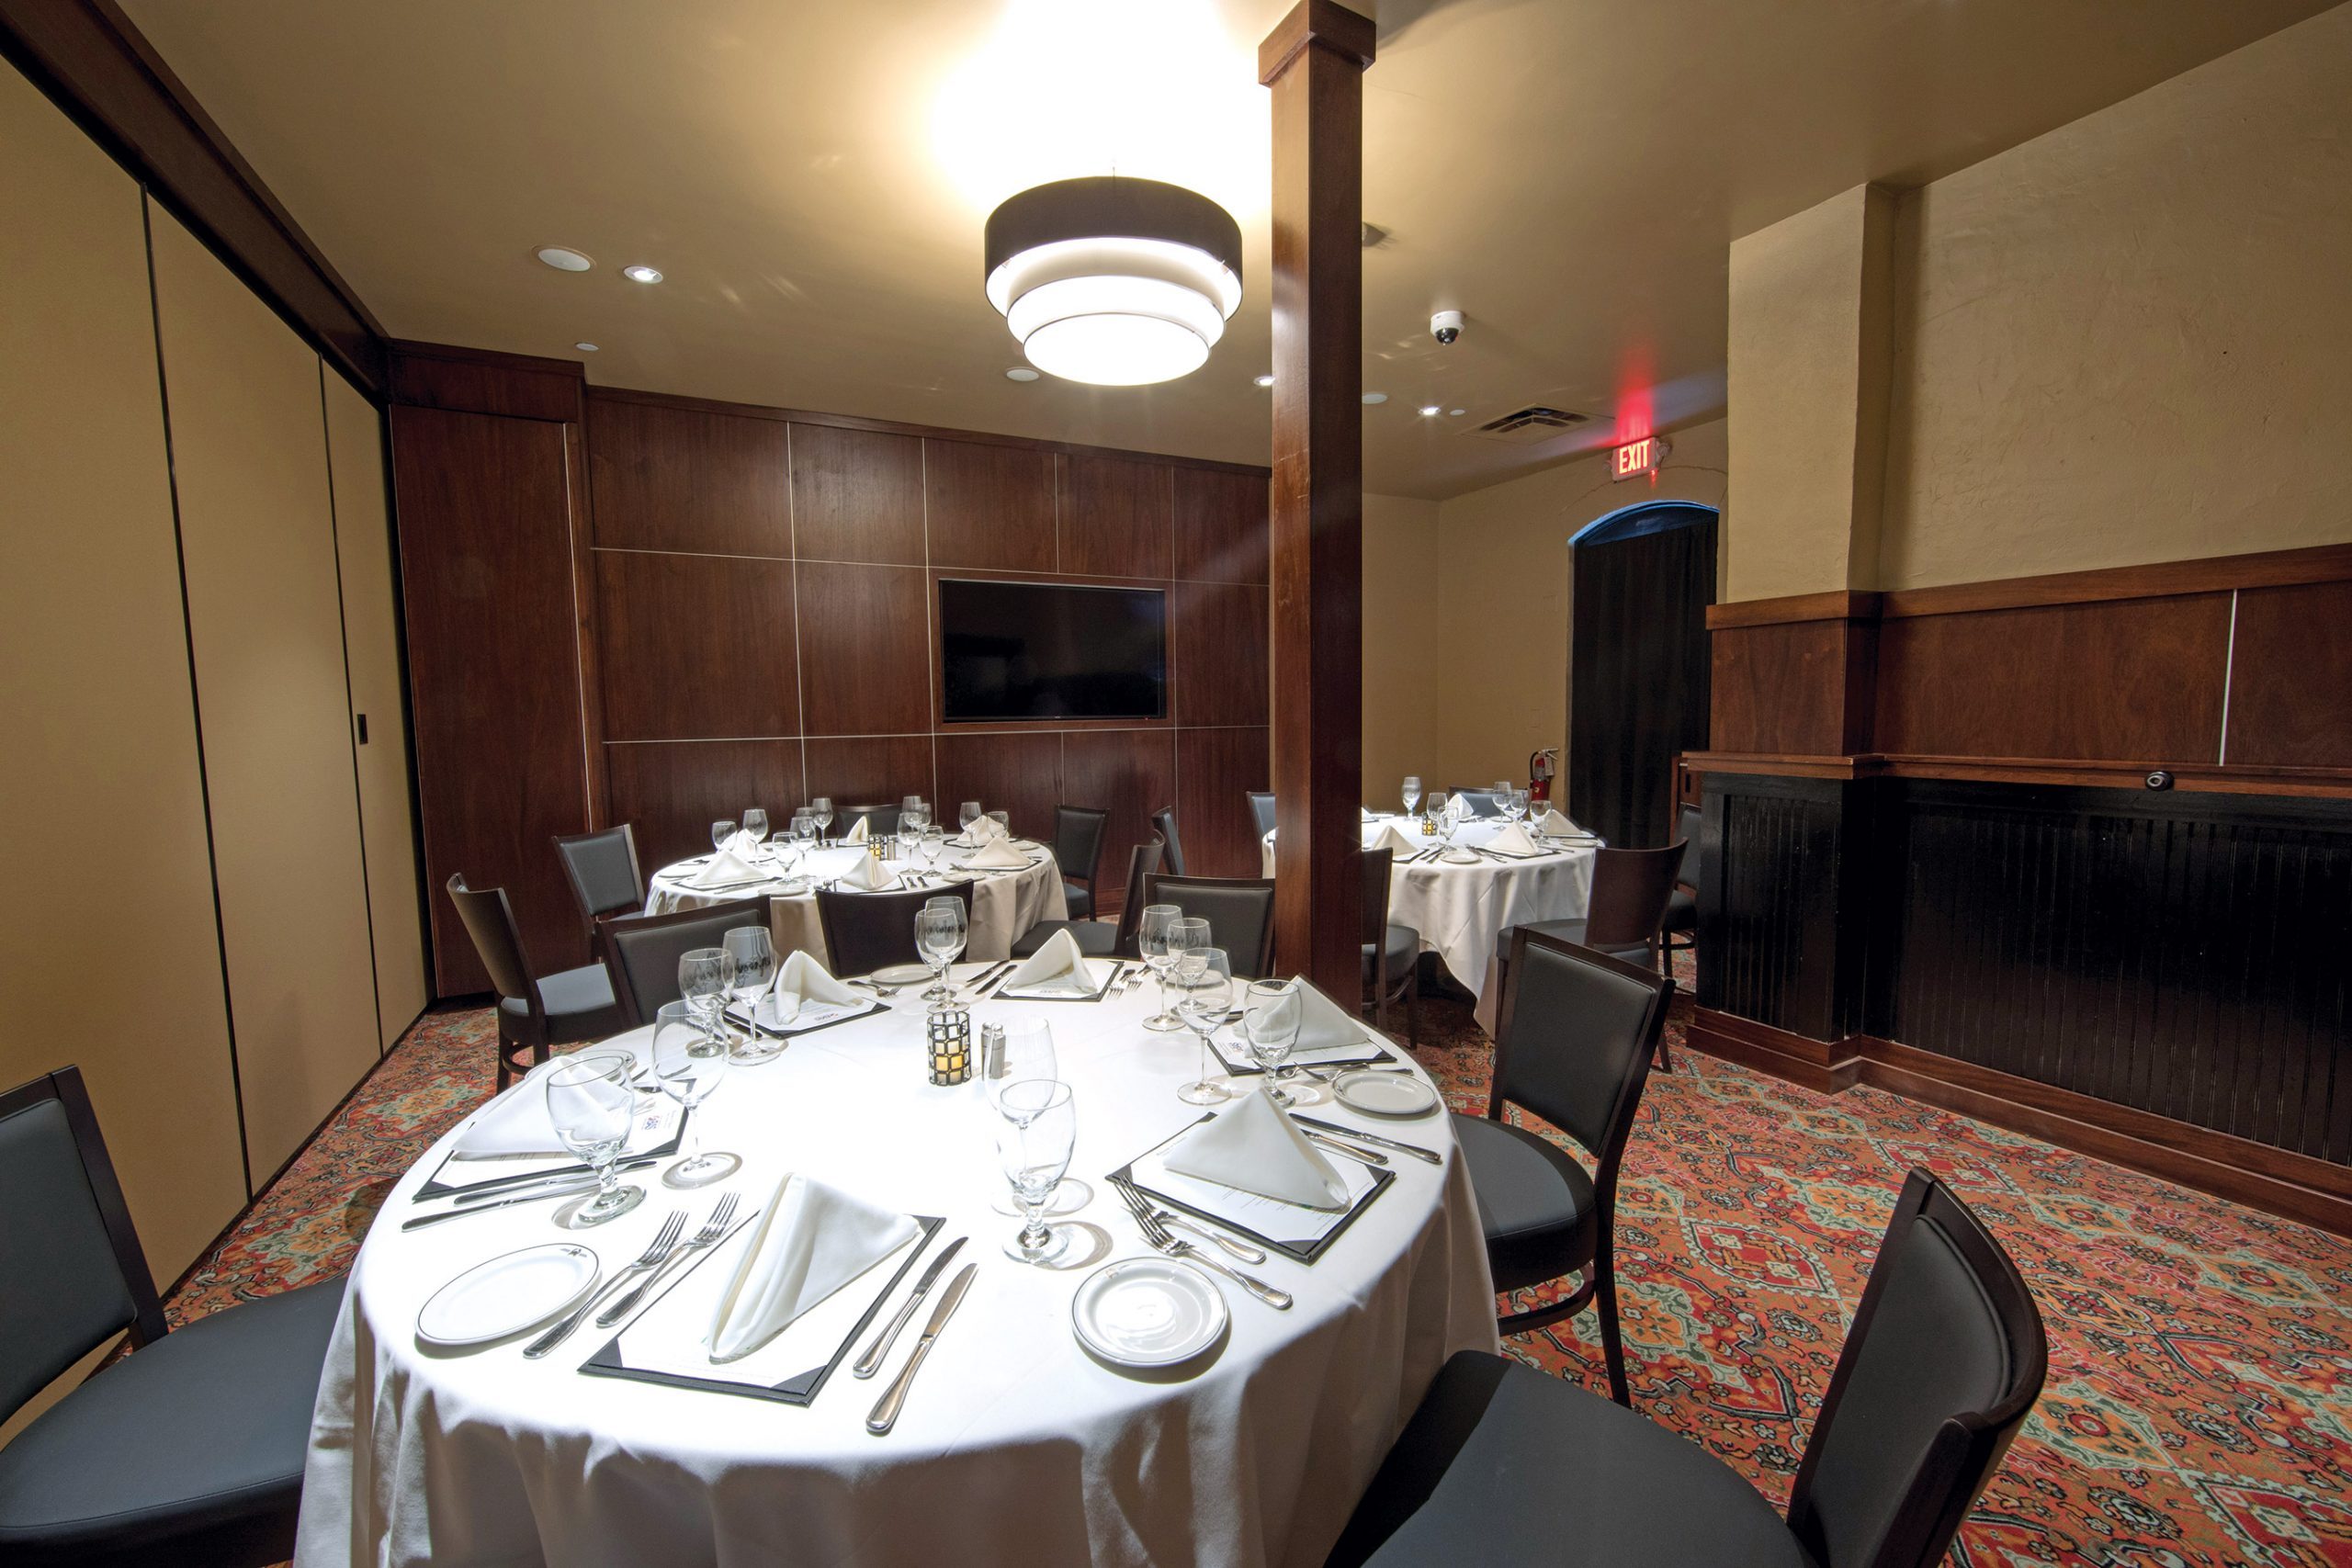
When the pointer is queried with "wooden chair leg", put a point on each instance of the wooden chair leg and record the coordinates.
(1612, 1344)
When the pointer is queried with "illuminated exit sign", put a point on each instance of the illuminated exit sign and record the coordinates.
(1641, 456)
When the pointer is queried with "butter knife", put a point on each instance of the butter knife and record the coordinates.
(871, 1362)
(885, 1413)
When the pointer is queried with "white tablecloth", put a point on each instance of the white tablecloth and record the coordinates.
(1015, 1447)
(1004, 904)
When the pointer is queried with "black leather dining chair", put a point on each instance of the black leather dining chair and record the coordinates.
(1392, 953)
(1163, 822)
(646, 948)
(1262, 812)
(562, 1009)
(187, 1452)
(1095, 939)
(1482, 801)
(866, 931)
(1631, 890)
(1240, 910)
(1944, 1362)
(606, 878)
(1682, 905)
(1077, 855)
(881, 821)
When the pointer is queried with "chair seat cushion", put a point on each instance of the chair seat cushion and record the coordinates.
(1081, 900)
(1535, 1204)
(1503, 1464)
(1573, 930)
(201, 1429)
(1096, 938)
(1681, 911)
(568, 994)
(1404, 947)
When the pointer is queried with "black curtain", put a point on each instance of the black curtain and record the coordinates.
(1638, 669)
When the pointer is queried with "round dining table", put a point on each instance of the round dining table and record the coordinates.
(1004, 903)
(1015, 1446)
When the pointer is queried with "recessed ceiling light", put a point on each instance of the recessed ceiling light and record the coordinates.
(1021, 373)
(585, 347)
(1455, 413)
(1429, 410)
(642, 274)
(563, 258)
(1264, 380)
(1375, 397)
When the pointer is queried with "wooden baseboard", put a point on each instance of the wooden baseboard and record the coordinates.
(2276, 1181)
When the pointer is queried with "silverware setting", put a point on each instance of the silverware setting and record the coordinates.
(1309, 1122)
(1141, 1205)
(1166, 1241)
(894, 1398)
(655, 1252)
(871, 1362)
(489, 1205)
(713, 1229)
(570, 1179)
(1339, 1146)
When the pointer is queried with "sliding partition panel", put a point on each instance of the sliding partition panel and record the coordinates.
(249, 462)
(112, 959)
(363, 533)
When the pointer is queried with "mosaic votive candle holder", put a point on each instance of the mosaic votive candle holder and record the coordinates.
(949, 1032)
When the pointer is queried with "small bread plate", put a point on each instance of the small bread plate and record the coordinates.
(1148, 1312)
(1384, 1094)
(901, 975)
(1457, 855)
(506, 1295)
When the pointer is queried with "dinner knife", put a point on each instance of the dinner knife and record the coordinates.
(1414, 1149)
(482, 1194)
(871, 1362)
(885, 1413)
(541, 1196)
(1354, 1151)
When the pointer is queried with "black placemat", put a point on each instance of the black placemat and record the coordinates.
(436, 1188)
(1381, 1178)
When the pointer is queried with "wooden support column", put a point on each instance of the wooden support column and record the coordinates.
(1313, 62)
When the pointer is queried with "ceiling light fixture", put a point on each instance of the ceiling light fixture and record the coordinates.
(642, 274)
(1020, 373)
(1263, 380)
(1429, 410)
(1114, 282)
(563, 258)
(1455, 413)
(1375, 397)
(585, 347)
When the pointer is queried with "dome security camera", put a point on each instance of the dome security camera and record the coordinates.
(1446, 326)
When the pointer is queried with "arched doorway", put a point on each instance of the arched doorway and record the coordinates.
(1638, 664)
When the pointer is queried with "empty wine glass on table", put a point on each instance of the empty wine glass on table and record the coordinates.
(705, 975)
(1151, 946)
(909, 835)
(968, 814)
(755, 968)
(720, 832)
(1412, 793)
(933, 846)
(940, 935)
(910, 805)
(1036, 1130)
(1003, 820)
(689, 1064)
(1270, 1020)
(821, 811)
(1023, 1052)
(1204, 997)
(592, 1103)
(755, 826)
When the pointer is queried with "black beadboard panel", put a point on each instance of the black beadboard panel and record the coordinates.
(1772, 867)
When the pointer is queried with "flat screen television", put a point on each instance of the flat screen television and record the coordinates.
(1024, 651)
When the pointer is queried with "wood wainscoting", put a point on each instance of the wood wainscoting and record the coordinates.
(712, 605)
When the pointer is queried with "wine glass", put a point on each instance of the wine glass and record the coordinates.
(689, 1064)
(1036, 1130)
(821, 811)
(1412, 793)
(1003, 820)
(755, 824)
(939, 934)
(920, 812)
(755, 968)
(1151, 946)
(1271, 1014)
(705, 975)
(909, 834)
(720, 833)
(968, 814)
(1204, 995)
(592, 1103)
(909, 805)
(934, 844)
(1025, 1051)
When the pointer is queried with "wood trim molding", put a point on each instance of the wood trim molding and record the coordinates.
(2187, 777)
(1835, 606)
(2265, 568)
(1816, 1065)
(96, 65)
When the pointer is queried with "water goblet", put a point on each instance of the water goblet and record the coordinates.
(1151, 946)
(1003, 820)
(592, 1103)
(940, 935)
(720, 833)
(689, 1064)
(1271, 1014)
(755, 824)
(705, 975)
(755, 968)
(1204, 995)
(1036, 1130)
(968, 814)
(820, 810)
(909, 835)
(1412, 793)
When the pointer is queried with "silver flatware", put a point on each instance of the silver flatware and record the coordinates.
(1142, 1205)
(871, 1362)
(655, 1251)
(1432, 1155)
(713, 1230)
(568, 1178)
(993, 986)
(421, 1221)
(1354, 1151)
(885, 1410)
(1160, 1237)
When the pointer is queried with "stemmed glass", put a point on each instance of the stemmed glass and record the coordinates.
(1502, 796)
(1036, 1130)
(968, 814)
(911, 806)
(821, 811)
(1151, 945)
(756, 968)
(933, 846)
(1204, 995)
(720, 833)
(755, 824)
(1270, 1020)
(1412, 793)
(705, 976)
(592, 1103)
(909, 834)
(1003, 820)
(689, 1064)
(939, 934)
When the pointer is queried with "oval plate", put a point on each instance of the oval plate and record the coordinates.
(1148, 1312)
(902, 974)
(1384, 1094)
(508, 1294)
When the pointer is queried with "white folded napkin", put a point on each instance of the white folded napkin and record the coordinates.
(1553, 822)
(867, 873)
(984, 828)
(1056, 967)
(1322, 1022)
(1393, 839)
(517, 1122)
(1513, 840)
(998, 854)
(803, 979)
(725, 867)
(857, 834)
(1253, 1145)
(1367, 813)
(812, 1240)
(744, 844)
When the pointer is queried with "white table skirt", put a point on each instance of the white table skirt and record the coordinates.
(1003, 905)
(1015, 1447)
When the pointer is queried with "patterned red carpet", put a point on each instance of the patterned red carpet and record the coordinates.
(2199, 1408)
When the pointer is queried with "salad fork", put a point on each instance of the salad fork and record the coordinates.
(1160, 1238)
(712, 1230)
(1139, 1201)
(655, 1252)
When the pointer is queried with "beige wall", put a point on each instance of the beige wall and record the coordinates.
(1402, 689)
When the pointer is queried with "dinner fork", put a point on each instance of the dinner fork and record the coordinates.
(1141, 1205)
(652, 1258)
(1160, 1238)
(712, 1230)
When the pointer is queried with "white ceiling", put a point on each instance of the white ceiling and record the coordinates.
(812, 178)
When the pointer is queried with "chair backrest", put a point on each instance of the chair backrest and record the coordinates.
(1376, 863)
(78, 1276)
(1944, 1362)
(1482, 801)
(881, 821)
(490, 920)
(646, 948)
(1575, 1040)
(1078, 841)
(1261, 810)
(866, 931)
(604, 873)
(1631, 890)
(1163, 822)
(1240, 910)
(1689, 820)
(1142, 866)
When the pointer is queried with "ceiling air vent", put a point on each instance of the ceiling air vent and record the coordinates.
(1530, 425)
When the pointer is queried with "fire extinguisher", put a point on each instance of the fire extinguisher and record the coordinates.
(1540, 766)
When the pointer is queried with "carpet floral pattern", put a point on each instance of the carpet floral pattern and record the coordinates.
(2199, 1408)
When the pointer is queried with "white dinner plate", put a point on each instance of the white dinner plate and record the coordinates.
(1148, 1312)
(902, 974)
(1384, 1094)
(1460, 856)
(507, 1296)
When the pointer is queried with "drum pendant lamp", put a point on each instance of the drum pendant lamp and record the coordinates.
(1112, 281)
